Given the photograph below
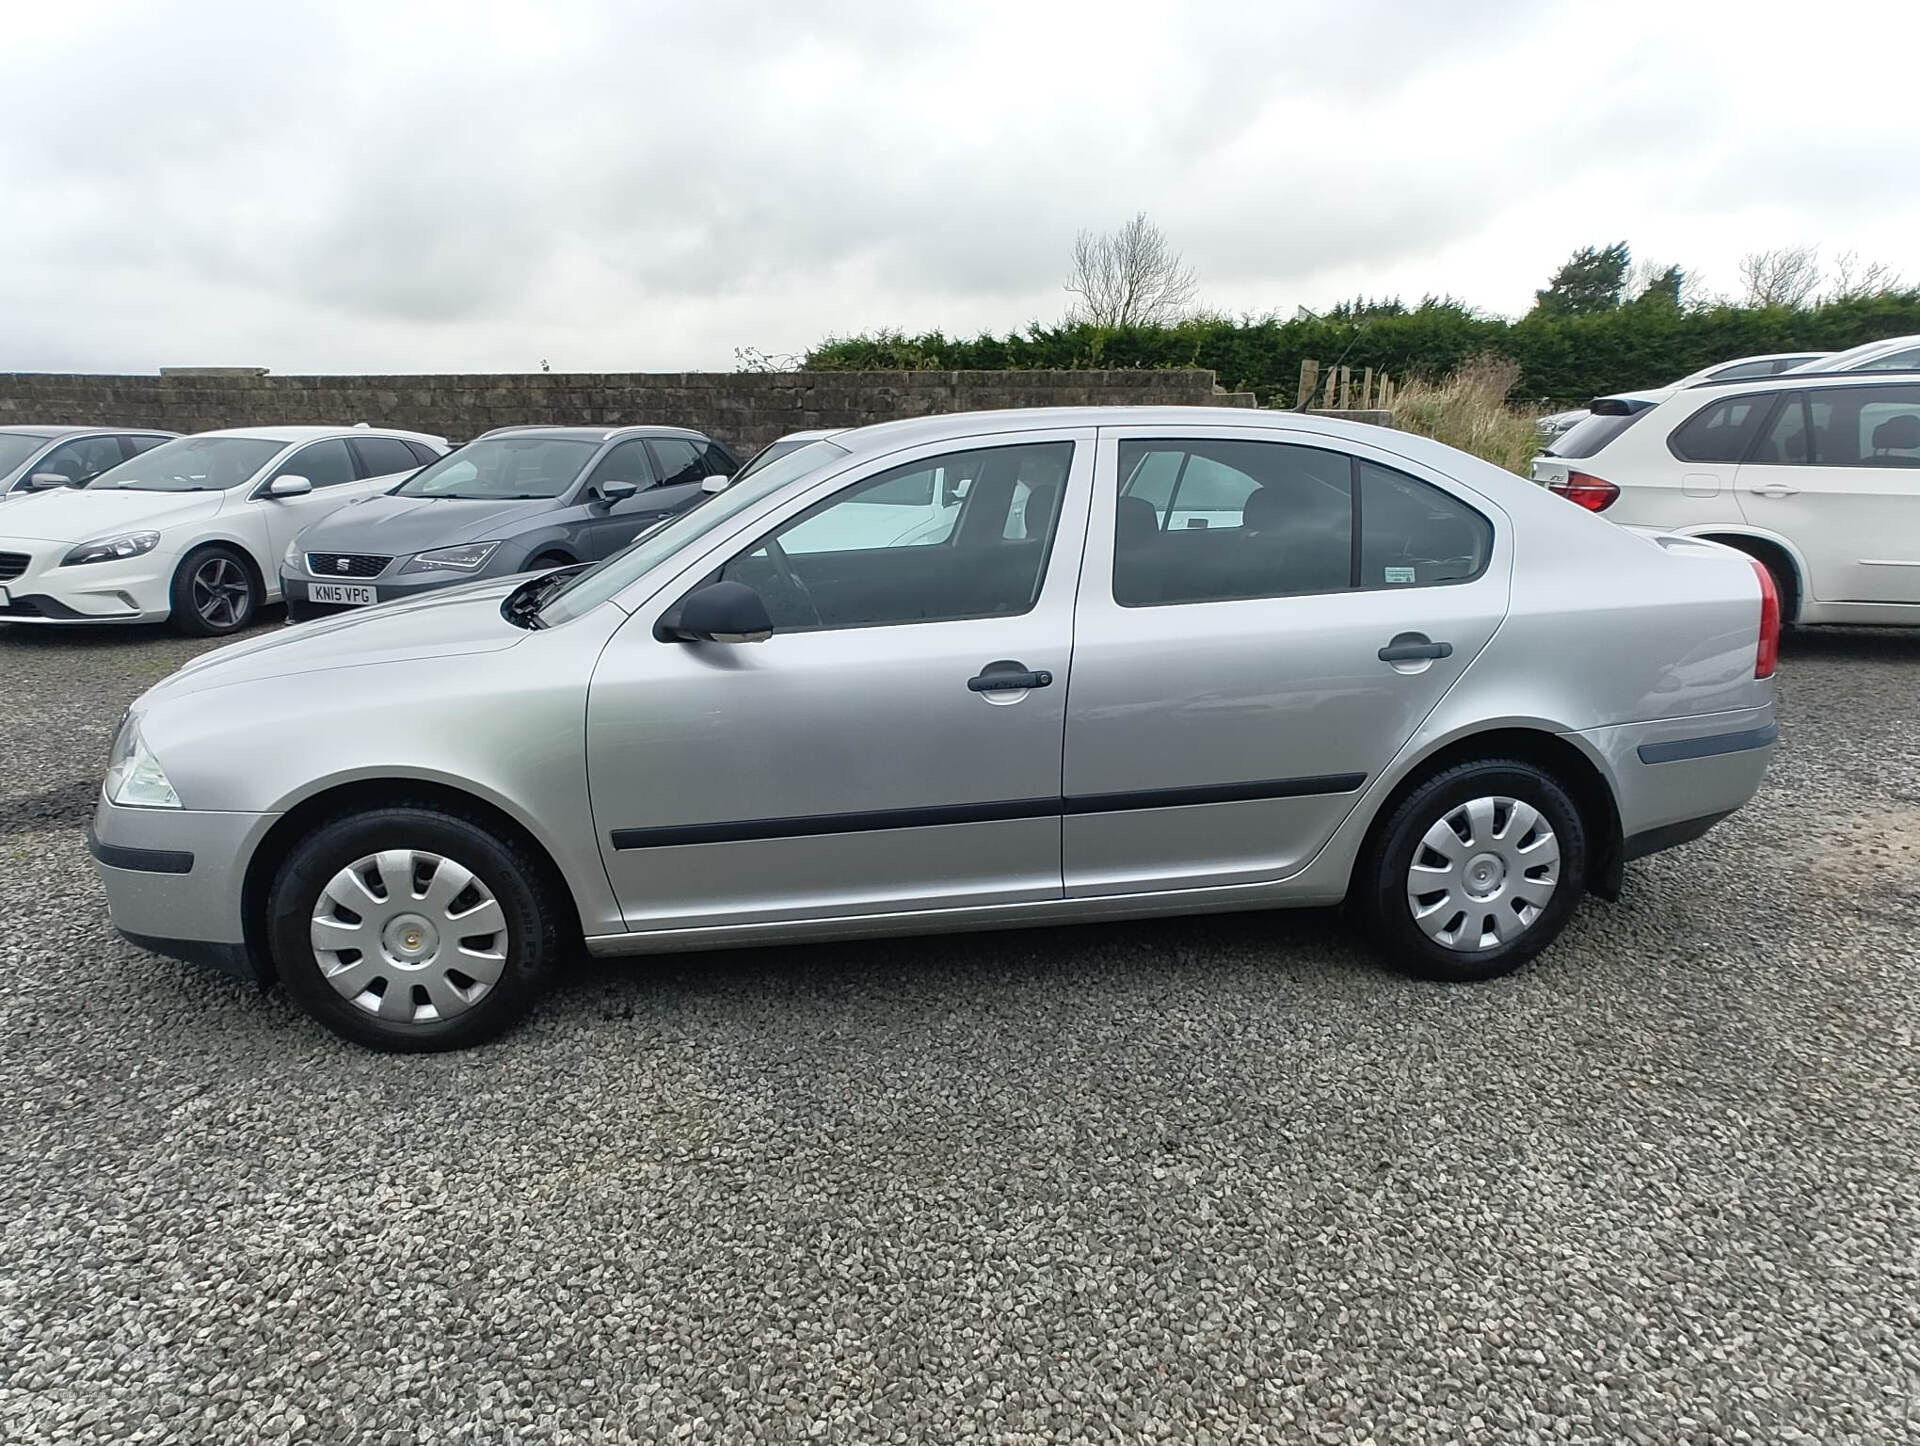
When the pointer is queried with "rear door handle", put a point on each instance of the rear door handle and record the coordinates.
(1414, 648)
(1007, 676)
(1777, 489)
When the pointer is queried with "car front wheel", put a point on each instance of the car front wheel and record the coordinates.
(214, 592)
(1476, 871)
(409, 929)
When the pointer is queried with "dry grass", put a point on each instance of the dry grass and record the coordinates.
(1469, 410)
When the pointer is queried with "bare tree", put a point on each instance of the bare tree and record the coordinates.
(1129, 277)
(1853, 278)
(1785, 276)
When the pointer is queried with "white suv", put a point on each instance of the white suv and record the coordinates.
(1817, 475)
(193, 529)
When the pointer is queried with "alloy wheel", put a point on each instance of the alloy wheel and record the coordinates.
(220, 592)
(1483, 873)
(409, 936)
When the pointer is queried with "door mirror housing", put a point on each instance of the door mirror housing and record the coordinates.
(715, 482)
(47, 481)
(720, 612)
(612, 492)
(288, 485)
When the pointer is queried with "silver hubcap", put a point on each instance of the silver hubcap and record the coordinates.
(409, 936)
(220, 591)
(1483, 873)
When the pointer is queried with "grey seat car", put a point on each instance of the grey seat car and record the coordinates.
(513, 500)
(37, 459)
(1100, 663)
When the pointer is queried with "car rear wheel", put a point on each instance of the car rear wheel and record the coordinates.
(214, 592)
(1477, 870)
(409, 929)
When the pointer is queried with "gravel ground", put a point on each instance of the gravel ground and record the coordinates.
(1198, 1180)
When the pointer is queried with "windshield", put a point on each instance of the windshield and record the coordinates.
(1845, 361)
(496, 469)
(191, 464)
(772, 452)
(15, 449)
(589, 589)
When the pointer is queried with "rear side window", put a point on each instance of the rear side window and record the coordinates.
(134, 446)
(1583, 439)
(422, 453)
(716, 460)
(1722, 430)
(1216, 521)
(382, 456)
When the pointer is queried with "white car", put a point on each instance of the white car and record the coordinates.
(1740, 369)
(1894, 354)
(1816, 475)
(35, 459)
(192, 530)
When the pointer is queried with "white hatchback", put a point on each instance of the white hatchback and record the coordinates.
(1817, 475)
(192, 530)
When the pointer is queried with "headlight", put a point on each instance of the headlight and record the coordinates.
(290, 562)
(135, 778)
(468, 557)
(110, 549)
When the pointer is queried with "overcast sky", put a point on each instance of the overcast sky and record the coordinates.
(413, 185)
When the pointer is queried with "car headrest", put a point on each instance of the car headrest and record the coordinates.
(1898, 434)
(1135, 524)
(1265, 510)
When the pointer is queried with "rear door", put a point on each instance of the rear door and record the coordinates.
(1837, 473)
(894, 746)
(1229, 695)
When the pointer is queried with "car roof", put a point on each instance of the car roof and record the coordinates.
(1786, 381)
(49, 433)
(309, 434)
(593, 434)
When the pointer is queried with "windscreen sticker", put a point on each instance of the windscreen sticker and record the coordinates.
(1399, 574)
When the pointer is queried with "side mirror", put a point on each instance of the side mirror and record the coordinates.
(715, 482)
(288, 485)
(47, 481)
(612, 492)
(720, 612)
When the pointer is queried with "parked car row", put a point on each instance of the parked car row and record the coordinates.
(203, 530)
(972, 671)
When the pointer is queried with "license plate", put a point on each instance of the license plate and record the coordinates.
(345, 593)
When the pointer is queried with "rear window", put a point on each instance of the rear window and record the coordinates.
(1583, 439)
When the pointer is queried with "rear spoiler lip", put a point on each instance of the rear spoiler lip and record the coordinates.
(1619, 406)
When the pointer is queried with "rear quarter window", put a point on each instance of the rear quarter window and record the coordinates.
(1723, 430)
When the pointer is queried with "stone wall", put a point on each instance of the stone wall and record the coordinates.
(742, 409)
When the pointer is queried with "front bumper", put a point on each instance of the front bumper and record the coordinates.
(391, 586)
(175, 880)
(127, 590)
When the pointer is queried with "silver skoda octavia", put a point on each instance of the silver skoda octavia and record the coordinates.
(958, 672)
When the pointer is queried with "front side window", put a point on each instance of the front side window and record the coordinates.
(192, 464)
(715, 461)
(625, 462)
(1217, 521)
(83, 459)
(324, 464)
(1721, 431)
(1865, 426)
(496, 469)
(678, 459)
(963, 535)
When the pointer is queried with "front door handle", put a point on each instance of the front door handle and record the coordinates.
(1414, 648)
(1777, 489)
(1007, 676)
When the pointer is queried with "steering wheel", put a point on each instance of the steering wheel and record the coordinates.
(778, 557)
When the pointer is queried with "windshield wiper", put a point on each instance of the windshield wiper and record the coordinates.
(522, 605)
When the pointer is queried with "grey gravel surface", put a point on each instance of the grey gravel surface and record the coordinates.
(1212, 1180)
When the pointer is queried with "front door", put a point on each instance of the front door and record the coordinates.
(1262, 625)
(1838, 474)
(329, 467)
(878, 753)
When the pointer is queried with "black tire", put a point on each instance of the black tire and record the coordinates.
(1787, 585)
(1381, 885)
(547, 561)
(215, 592)
(504, 869)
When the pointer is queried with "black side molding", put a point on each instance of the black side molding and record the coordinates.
(816, 825)
(1667, 836)
(141, 861)
(1707, 747)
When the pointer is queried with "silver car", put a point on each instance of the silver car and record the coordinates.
(1110, 663)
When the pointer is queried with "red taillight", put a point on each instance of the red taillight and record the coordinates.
(1769, 650)
(1592, 493)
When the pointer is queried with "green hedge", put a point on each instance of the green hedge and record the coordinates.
(1562, 358)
